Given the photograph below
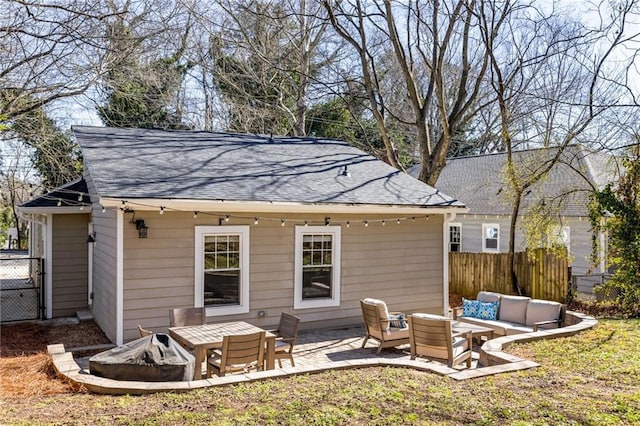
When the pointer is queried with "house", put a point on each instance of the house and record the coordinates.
(248, 226)
(562, 194)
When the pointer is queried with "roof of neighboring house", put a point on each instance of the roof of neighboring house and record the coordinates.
(479, 180)
(132, 164)
(63, 196)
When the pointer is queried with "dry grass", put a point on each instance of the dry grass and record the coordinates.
(25, 366)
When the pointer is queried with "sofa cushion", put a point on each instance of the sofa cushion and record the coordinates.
(513, 309)
(542, 310)
(383, 312)
(513, 328)
(470, 308)
(488, 296)
(398, 320)
(488, 310)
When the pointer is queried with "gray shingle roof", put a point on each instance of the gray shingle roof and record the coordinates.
(66, 195)
(479, 181)
(160, 164)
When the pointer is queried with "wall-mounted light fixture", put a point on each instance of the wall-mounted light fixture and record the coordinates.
(91, 238)
(142, 228)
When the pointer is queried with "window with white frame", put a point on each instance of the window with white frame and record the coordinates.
(560, 237)
(222, 269)
(455, 237)
(490, 237)
(317, 266)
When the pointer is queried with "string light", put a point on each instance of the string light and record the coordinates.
(128, 206)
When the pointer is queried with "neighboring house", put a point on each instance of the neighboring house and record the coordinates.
(479, 181)
(248, 226)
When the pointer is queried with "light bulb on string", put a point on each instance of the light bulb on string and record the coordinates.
(366, 224)
(161, 210)
(348, 224)
(59, 202)
(80, 196)
(281, 222)
(226, 218)
(384, 223)
(195, 214)
(398, 221)
(255, 220)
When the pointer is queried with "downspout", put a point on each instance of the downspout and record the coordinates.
(90, 269)
(448, 218)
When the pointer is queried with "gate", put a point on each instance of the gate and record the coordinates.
(21, 284)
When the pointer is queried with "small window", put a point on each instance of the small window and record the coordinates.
(455, 237)
(490, 237)
(222, 269)
(317, 266)
(561, 237)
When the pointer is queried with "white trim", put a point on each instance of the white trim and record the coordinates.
(275, 207)
(48, 264)
(335, 232)
(484, 240)
(445, 259)
(200, 233)
(119, 276)
(90, 267)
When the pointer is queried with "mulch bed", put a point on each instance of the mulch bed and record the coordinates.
(25, 366)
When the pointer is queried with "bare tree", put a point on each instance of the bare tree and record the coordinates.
(548, 88)
(436, 46)
(262, 61)
(49, 51)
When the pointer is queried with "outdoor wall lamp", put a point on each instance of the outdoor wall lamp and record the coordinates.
(142, 228)
(91, 238)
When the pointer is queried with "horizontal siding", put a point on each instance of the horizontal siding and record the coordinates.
(104, 270)
(400, 263)
(69, 264)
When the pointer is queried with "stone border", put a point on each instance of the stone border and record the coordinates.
(492, 361)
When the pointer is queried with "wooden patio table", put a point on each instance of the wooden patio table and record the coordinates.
(477, 331)
(200, 338)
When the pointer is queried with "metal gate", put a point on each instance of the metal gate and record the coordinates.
(21, 284)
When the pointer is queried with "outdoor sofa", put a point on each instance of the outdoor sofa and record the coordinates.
(508, 315)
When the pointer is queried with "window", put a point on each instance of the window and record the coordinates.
(560, 237)
(455, 237)
(317, 267)
(490, 237)
(222, 269)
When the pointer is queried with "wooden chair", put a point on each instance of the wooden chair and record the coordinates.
(143, 332)
(286, 337)
(240, 353)
(187, 316)
(377, 325)
(431, 336)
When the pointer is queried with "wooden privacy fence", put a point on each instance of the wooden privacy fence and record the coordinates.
(541, 276)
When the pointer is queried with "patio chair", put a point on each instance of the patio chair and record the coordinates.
(240, 353)
(286, 337)
(187, 316)
(431, 336)
(378, 326)
(143, 332)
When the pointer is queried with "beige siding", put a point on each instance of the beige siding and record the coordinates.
(579, 228)
(104, 268)
(400, 263)
(69, 264)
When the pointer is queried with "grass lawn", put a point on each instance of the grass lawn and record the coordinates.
(591, 378)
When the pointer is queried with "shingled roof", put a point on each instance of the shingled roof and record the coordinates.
(186, 165)
(479, 180)
(63, 196)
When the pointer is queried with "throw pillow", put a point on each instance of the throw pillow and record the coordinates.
(398, 321)
(470, 308)
(488, 310)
